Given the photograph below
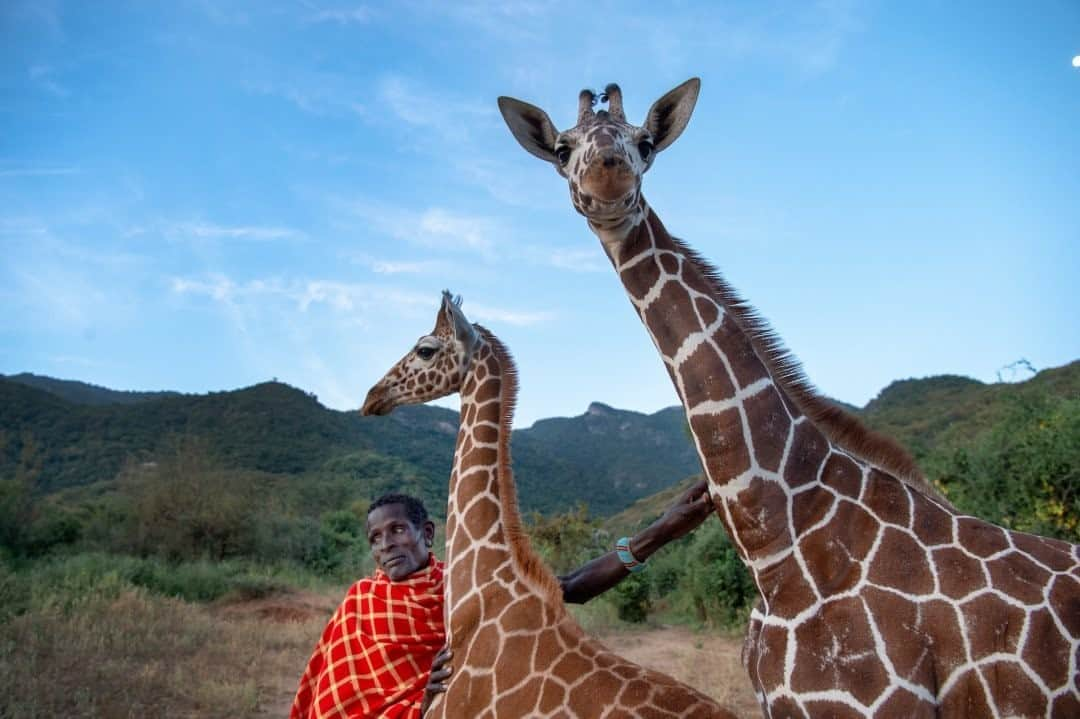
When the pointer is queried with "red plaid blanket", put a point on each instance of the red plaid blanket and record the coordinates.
(375, 655)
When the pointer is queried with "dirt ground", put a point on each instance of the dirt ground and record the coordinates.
(708, 662)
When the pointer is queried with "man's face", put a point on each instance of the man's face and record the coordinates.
(398, 546)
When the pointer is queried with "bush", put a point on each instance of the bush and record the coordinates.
(632, 598)
(1024, 473)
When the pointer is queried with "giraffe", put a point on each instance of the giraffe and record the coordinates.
(878, 598)
(517, 651)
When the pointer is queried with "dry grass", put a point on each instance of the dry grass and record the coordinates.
(709, 662)
(138, 655)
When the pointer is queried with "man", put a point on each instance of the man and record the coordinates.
(380, 656)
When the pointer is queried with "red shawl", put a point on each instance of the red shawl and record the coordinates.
(375, 655)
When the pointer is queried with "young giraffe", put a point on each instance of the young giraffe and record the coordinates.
(517, 652)
(879, 599)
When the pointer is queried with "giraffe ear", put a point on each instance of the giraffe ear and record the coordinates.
(669, 115)
(531, 126)
(454, 318)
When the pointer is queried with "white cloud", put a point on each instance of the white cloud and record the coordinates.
(434, 227)
(211, 231)
(342, 16)
(583, 260)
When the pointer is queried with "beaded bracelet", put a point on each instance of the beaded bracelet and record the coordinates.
(622, 548)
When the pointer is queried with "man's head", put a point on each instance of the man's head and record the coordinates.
(400, 535)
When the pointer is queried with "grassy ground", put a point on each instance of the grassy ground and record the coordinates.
(124, 651)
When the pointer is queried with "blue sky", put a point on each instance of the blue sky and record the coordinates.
(204, 195)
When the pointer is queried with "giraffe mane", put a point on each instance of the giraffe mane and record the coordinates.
(836, 423)
(530, 565)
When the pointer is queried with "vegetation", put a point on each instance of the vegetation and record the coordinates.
(125, 526)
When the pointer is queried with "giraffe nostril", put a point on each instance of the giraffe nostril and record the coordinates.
(586, 200)
(611, 161)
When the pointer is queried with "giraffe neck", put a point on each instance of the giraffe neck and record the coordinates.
(485, 540)
(750, 436)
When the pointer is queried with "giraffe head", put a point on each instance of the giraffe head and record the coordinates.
(603, 157)
(435, 367)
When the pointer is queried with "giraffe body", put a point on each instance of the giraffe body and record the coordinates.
(878, 598)
(516, 651)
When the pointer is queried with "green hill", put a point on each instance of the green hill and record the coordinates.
(607, 458)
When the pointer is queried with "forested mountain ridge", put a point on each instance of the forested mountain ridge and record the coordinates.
(607, 458)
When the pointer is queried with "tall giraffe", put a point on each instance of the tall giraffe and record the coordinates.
(517, 652)
(879, 599)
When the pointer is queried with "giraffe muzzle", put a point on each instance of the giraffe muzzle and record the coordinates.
(376, 403)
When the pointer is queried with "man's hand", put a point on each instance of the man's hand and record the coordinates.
(440, 672)
(681, 518)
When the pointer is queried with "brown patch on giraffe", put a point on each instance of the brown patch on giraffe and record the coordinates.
(669, 263)
(1019, 577)
(1046, 651)
(673, 698)
(485, 433)
(888, 499)
(484, 647)
(641, 278)
(547, 650)
(808, 451)
(766, 657)
(522, 701)
(833, 710)
(512, 670)
(495, 600)
(959, 574)
(931, 524)
(572, 664)
(1066, 705)
(785, 589)
(462, 569)
(699, 386)
(835, 650)
(665, 321)
(707, 310)
(897, 619)
(521, 614)
(901, 562)
(487, 391)
(902, 703)
(552, 696)
(769, 427)
(980, 538)
(720, 439)
(855, 528)
(992, 625)
(469, 418)
(786, 708)
(1013, 692)
(831, 569)
(637, 242)
(966, 698)
(1065, 600)
(599, 690)
(759, 517)
(486, 560)
(480, 457)
(745, 364)
(1053, 553)
(634, 693)
(939, 620)
(481, 515)
(842, 474)
(810, 507)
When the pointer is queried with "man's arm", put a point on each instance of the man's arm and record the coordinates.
(603, 573)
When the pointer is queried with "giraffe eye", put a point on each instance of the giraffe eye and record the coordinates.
(562, 154)
(645, 148)
(425, 353)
